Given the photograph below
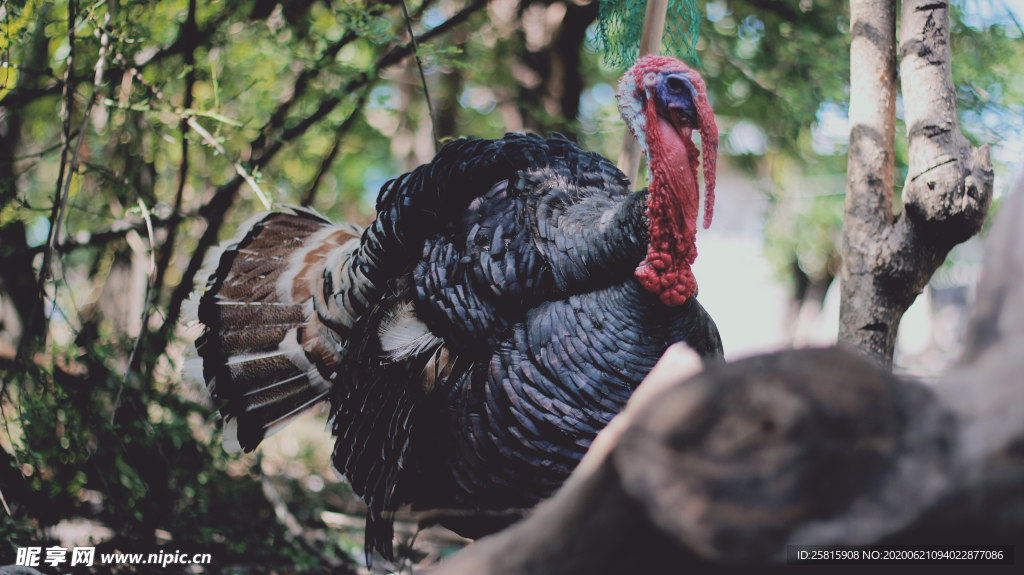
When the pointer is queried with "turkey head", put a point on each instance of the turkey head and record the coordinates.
(663, 101)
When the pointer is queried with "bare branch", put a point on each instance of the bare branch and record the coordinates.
(423, 77)
(145, 308)
(24, 70)
(295, 529)
(209, 139)
(189, 37)
(97, 90)
(115, 231)
(299, 87)
(736, 63)
(55, 212)
(325, 165)
(167, 250)
(17, 98)
(399, 53)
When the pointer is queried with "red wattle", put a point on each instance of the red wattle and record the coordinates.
(674, 197)
(672, 206)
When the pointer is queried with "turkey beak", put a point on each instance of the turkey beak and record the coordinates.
(677, 95)
(686, 117)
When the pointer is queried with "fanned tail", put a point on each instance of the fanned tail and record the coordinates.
(273, 338)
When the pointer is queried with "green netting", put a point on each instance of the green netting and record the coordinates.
(621, 23)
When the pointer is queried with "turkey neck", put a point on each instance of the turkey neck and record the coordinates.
(672, 206)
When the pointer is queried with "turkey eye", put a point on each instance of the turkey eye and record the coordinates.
(675, 84)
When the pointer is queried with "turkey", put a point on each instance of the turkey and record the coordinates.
(475, 338)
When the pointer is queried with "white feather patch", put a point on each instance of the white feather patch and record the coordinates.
(245, 358)
(297, 263)
(632, 110)
(210, 264)
(192, 371)
(291, 349)
(403, 335)
(317, 381)
(190, 308)
(283, 421)
(230, 442)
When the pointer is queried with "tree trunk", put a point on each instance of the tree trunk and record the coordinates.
(18, 289)
(887, 259)
(550, 100)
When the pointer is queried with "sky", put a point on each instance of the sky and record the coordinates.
(983, 12)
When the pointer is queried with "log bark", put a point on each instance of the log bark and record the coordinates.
(723, 467)
(887, 259)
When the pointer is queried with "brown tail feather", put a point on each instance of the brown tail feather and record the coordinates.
(265, 347)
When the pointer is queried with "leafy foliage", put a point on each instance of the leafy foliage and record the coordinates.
(315, 103)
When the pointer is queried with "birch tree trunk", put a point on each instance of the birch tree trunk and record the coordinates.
(887, 259)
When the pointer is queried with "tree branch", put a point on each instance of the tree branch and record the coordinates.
(17, 98)
(743, 68)
(209, 139)
(224, 196)
(280, 113)
(119, 229)
(189, 37)
(295, 529)
(398, 53)
(167, 249)
(73, 169)
(870, 172)
(55, 211)
(325, 165)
